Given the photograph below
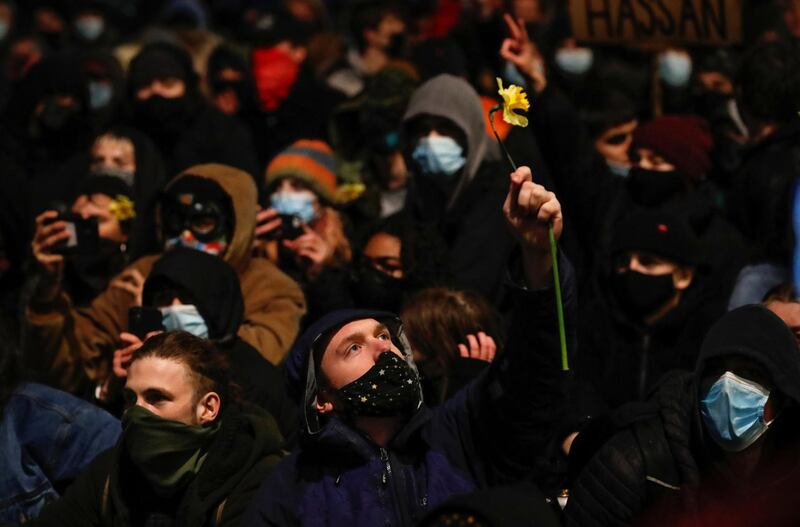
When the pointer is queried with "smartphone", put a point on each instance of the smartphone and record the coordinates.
(291, 228)
(83, 235)
(143, 320)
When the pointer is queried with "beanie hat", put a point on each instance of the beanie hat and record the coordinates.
(161, 60)
(309, 160)
(683, 140)
(658, 233)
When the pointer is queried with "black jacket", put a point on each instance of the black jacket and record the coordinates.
(112, 492)
(762, 194)
(660, 469)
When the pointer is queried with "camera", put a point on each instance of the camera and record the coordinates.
(291, 228)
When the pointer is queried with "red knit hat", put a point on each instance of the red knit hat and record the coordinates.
(683, 140)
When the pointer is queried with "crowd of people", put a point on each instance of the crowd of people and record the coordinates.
(276, 263)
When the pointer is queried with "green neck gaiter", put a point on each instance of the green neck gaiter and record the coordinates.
(169, 453)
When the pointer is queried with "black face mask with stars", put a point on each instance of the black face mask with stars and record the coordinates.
(388, 389)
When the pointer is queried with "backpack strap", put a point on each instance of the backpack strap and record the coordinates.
(104, 500)
(660, 469)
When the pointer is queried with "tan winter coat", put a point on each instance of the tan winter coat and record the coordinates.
(76, 345)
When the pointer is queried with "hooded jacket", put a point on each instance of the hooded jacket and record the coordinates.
(469, 216)
(76, 345)
(113, 492)
(214, 287)
(660, 469)
(490, 432)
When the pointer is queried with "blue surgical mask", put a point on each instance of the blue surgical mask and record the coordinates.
(100, 94)
(618, 169)
(4, 27)
(576, 61)
(90, 28)
(733, 412)
(512, 75)
(675, 68)
(439, 155)
(300, 204)
(184, 318)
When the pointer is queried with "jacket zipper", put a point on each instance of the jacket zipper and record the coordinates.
(387, 479)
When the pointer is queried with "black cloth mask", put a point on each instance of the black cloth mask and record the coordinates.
(163, 119)
(651, 188)
(375, 289)
(639, 294)
(390, 388)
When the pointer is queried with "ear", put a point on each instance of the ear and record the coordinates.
(322, 403)
(208, 408)
(682, 277)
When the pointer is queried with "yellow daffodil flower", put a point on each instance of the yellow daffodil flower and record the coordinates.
(348, 192)
(122, 208)
(514, 98)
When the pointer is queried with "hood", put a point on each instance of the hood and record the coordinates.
(300, 371)
(242, 190)
(454, 99)
(213, 284)
(755, 333)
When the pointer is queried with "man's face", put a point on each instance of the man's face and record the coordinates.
(113, 152)
(789, 312)
(168, 87)
(613, 144)
(354, 349)
(389, 26)
(164, 387)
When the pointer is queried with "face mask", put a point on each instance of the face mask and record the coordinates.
(100, 94)
(639, 295)
(377, 290)
(675, 68)
(651, 187)
(274, 74)
(439, 155)
(189, 240)
(184, 318)
(390, 388)
(89, 28)
(513, 76)
(575, 61)
(733, 412)
(126, 176)
(168, 453)
(617, 169)
(300, 204)
(4, 27)
(163, 118)
(397, 43)
(57, 119)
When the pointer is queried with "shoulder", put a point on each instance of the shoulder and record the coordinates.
(261, 274)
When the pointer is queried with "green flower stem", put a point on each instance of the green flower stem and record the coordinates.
(562, 334)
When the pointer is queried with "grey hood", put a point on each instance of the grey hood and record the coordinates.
(453, 98)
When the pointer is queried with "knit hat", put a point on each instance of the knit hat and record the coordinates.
(309, 160)
(658, 233)
(683, 140)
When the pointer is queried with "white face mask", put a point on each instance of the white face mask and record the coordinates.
(576, 61)
(675, 68)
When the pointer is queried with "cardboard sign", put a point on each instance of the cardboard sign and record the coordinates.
(657, 21)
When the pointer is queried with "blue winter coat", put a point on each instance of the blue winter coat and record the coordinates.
(489, 433)
(47, 437)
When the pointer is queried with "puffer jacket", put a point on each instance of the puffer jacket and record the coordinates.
(491, 432)
(660, 470)
(74, 347)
